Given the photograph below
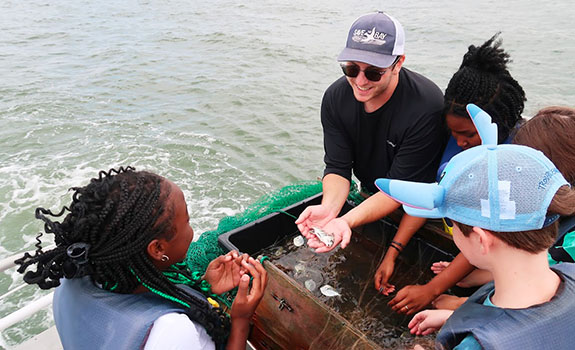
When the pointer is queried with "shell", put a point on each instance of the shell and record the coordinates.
(310, 285)
(298, 241)
(329, 291)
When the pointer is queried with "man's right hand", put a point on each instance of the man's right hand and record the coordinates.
(313, 216)
(321, 217)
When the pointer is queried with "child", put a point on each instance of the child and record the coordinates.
(549, 131)
(504, 201)
(120, 284)
(483, 79)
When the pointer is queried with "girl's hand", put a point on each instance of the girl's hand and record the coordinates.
(247, 299)
(224, 272)
(428, 321)
(439, 266)
(382, 275)
(415, 297)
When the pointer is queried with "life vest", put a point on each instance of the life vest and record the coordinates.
(550, 325)
(557, 251)
(88, 317)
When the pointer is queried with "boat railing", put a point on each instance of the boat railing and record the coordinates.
(29, 309)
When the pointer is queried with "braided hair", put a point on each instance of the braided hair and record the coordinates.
(483, 79)
(105, 235)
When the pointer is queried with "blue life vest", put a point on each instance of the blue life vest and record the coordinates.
(88, 317)
(545, 326)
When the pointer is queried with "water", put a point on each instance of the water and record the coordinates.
(222, 97)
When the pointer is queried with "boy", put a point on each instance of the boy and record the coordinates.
(504, 201)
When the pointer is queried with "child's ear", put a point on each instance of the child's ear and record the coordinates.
(156, 249)
(485, 239)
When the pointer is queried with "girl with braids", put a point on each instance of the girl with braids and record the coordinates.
(121, 283)
(484, 80)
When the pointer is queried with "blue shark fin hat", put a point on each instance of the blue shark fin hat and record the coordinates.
(504, 188)
(376, 39)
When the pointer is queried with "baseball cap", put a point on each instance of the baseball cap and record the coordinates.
(376, 39)
(505, 188)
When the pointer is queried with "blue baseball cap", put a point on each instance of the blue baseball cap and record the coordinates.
(376, 39)
(505, 188)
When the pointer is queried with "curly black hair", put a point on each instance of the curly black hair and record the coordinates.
(483, 79)
(105, 235)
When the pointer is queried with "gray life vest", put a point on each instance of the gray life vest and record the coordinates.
(90, 318)
(545, 326)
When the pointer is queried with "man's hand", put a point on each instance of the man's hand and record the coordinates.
(313, 216)
(340, 231)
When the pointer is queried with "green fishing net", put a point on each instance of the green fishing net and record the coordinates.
(206, 248)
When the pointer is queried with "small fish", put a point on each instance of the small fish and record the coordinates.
(324, 237)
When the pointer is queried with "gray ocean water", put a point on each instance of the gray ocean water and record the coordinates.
(220, 96)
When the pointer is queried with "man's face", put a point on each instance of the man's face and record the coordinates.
(369, 91)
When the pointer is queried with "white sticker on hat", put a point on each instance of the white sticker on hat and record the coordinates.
(506, 206)
(485, 212)
(507, 209)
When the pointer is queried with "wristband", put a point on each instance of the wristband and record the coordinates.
(394, 246)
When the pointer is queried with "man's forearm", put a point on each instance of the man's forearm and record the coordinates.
(335, 192)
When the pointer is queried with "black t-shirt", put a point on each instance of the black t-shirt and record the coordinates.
(404, 139)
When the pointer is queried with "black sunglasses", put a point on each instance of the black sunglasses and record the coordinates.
(371, 73)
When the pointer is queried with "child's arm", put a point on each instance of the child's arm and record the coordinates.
(477, 277)
(407, 227)
(448, 302)
(246, 302)
(428, 321)
(417, 297)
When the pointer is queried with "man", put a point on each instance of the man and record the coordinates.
(380, 120)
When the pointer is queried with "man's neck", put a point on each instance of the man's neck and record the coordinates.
(377, 102)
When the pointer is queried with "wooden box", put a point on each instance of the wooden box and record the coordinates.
(290, 316)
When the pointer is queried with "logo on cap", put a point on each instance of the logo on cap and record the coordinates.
(546, 178)
(372, 37)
